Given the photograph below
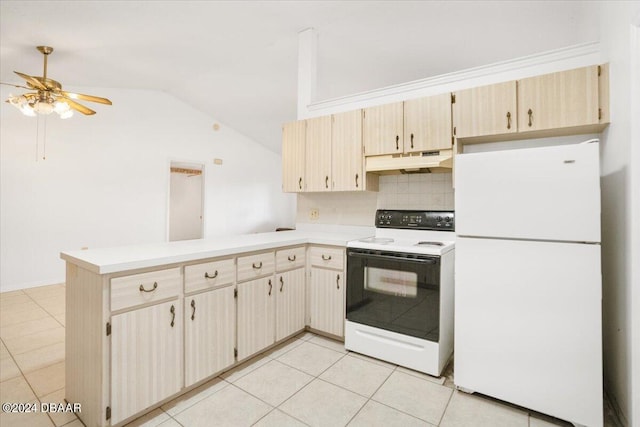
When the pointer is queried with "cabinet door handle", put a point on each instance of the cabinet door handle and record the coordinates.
(300, 183)
(509, 120)
(325, 257)
(411, 140)
(257, 266)
(281, 283)
(155, 286)
(290, 258)
(356, 180)
(206, 275)
(397, 141)
(338, 281)
(530, 113)
(173, 315)
(270, 287)
(193, 305)
(326, 182)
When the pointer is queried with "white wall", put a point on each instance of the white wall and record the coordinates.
(105, 181)
(618, 255)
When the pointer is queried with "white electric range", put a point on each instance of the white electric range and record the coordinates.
(400, 290)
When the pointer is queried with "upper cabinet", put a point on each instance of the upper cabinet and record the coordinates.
(346, 149)
(427, 123)
(486, 110)
(559, 100)
(318, 154)
(422, 124)
(383, 129)
(563, 103)
(293, 156)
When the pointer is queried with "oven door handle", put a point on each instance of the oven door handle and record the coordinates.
(394, 258)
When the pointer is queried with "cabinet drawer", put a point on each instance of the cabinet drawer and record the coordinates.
(254, 266)
(209, 275)
(287, 259)
(137, 289)
(327, 257)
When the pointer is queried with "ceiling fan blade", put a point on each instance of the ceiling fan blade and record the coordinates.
(90, 98)
(11, 84)
(34, 82)
(78, 107)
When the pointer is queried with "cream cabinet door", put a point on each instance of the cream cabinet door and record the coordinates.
(146, 358)
(210, 324)
(486, 110)
(327, 301)
(382, 129)
(290, 303)
(256, 311)
(294, 136)
(427, 123)
(318, 154)
(558, 100)
(346, 150)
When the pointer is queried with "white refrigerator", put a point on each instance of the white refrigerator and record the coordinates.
(528, 322)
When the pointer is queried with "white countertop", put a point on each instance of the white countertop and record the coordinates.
(113, 260)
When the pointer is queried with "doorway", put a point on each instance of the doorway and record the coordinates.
(186, 201)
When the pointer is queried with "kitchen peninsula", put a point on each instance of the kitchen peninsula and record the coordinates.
(149, 322)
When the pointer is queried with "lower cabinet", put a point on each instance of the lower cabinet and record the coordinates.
(290, 303)
(327, 300)
(146, 358)
(209, 327)
(256, 315)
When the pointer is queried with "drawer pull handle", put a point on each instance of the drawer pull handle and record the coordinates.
(155, 286)
(281, 283)
(290, 258)
(530, 113)
(338, 281)
(326, 257)
(193, 305)
(259, 265)
(508, 119)
(270, 287)
(173, 315)
(206, 275)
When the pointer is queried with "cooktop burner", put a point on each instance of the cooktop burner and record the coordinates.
(429, 244)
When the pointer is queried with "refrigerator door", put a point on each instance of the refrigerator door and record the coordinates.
(527, 325)
(546, 193)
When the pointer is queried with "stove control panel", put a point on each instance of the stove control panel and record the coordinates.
(421, 220)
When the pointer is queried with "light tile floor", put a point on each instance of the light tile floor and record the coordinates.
(308, 380)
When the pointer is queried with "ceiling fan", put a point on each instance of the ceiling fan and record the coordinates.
(49, 96)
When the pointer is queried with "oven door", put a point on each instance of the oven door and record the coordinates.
(399, 292)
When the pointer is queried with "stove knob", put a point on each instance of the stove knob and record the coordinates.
(447, 219)
(438, 218)
(388, 217)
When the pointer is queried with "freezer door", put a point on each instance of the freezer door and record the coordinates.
(546, 193)
(528, 325)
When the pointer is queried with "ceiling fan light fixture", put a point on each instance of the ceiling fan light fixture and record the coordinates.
(66, 114)
(61, 107)
(43, 107)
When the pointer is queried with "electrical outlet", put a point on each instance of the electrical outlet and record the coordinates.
(314, 213)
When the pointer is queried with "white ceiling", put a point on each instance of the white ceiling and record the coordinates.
(237, 60)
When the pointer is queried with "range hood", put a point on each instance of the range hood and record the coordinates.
(426, 161)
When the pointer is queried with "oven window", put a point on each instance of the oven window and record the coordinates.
(391, 282)
(398, 295)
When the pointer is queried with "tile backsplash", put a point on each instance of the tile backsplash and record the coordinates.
(428, 191)
(432, 191)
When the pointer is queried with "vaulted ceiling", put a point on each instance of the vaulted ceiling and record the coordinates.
(237, 60)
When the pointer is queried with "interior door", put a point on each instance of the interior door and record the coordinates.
(528, 326)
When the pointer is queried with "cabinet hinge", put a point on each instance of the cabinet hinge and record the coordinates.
(599, 113)
(235, 293)
(235, 353)
(599, 70)
(454, 130)
(453, 141)
(453, 98)
(108, 328)
(108, 412)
